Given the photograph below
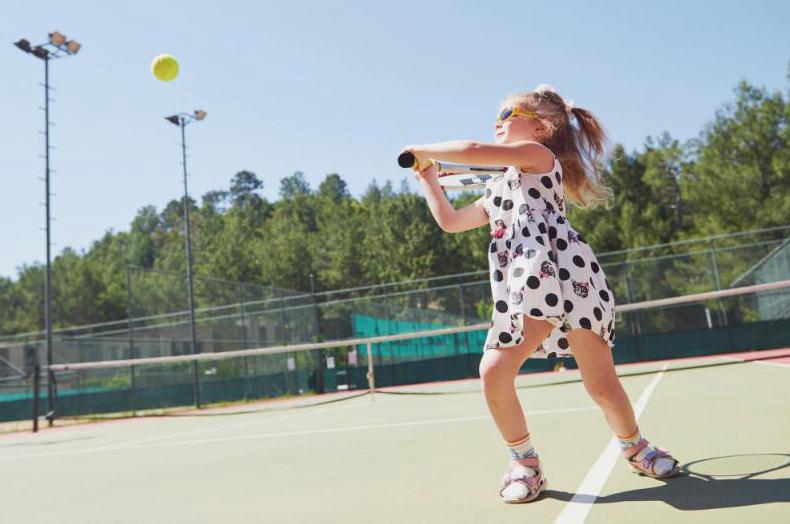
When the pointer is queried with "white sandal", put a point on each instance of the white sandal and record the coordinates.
(524, 481)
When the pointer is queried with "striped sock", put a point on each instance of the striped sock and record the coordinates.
(662, 465)
(627, 442)
(521, 448)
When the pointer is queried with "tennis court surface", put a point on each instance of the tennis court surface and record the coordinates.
(424, 453)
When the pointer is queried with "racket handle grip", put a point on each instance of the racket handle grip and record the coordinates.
(406, 159)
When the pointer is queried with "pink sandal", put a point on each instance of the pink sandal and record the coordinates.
(526, 473)
(646, 464)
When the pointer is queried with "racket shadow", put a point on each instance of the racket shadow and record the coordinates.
(692, 491)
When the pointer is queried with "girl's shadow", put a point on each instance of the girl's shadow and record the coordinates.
(694, 491)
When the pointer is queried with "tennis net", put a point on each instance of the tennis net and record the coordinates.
(732, 320)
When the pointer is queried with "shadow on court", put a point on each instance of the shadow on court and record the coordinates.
(694, 490)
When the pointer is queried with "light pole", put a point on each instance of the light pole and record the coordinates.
(181, 120)
(58, 46)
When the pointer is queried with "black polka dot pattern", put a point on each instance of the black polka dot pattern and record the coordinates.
(555, 276)
(597, 312)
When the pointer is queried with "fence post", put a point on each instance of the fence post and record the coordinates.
(245, 366)
(129, 322)
(461, 298)
(717, 278)
(629, 294)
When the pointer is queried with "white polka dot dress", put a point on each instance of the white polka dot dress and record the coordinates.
(540, 266)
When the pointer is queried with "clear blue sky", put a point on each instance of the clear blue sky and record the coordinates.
(336, 86)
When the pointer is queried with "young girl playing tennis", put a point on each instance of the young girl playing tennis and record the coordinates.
(551, 297)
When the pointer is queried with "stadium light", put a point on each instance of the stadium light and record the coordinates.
(24, 45)
(56, 38)
(56, 47)
(73, 47)
(182, 120)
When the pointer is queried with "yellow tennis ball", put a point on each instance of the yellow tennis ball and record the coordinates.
(165, 67)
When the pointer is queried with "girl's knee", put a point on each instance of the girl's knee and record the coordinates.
(495, 372)
(604, 391)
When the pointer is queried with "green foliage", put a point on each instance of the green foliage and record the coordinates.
(735, 176)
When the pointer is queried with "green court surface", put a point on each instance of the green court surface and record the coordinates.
(421, 457)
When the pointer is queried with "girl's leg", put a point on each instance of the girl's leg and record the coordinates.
(498, 370)
(524, 480)
(603, 385)
(601, 381)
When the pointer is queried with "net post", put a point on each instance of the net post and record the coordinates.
(36, 393)
(371, 374)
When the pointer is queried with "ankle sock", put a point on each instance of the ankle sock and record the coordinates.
(633, 440)
(662, 465)
(521, 448)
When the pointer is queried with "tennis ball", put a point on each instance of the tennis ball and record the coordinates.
(165, 67)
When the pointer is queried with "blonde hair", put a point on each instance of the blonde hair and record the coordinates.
(579, 149)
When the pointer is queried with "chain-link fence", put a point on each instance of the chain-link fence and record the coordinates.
(233, 315)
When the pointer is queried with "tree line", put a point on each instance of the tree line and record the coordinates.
(734, 176)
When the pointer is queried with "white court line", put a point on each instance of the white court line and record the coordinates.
(761, 362)
(777, 364)
(287, 434)
(575, 512)
(330, 408)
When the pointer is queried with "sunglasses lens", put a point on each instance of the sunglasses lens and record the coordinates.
(505, 114)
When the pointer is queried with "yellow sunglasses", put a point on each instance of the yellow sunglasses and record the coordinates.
(510, 112)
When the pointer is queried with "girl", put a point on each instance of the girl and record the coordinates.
(551, 297)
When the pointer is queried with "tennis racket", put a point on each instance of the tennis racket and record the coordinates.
(458, 176)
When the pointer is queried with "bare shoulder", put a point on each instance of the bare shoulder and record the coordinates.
(539, 159)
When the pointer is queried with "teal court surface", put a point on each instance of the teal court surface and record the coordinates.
(425, 453)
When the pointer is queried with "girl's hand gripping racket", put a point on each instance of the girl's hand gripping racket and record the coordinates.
(458, 176)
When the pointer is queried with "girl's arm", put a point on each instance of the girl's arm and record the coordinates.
(450, 219)
(531, 156)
